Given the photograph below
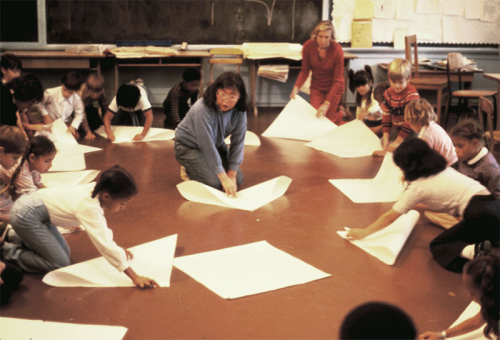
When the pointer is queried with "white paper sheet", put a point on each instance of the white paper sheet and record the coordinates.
(468, 313)
(350, 140)
(473, 9)
(152, 259)
(405, 10)
(13, 328)
(59, 179)
(298, 121)
(248, 199)
(250, 139)
(384, 9)
(125, 134)
(249, 269)
(386, 244)
(453, 7)
(387, 186)
(68, 163)
(429, 6)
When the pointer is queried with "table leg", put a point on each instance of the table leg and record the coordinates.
(498, 107)
(253, 85)
(202, 83)
(116, 77)
(439, 104)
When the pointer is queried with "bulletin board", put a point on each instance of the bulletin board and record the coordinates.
(433, 21)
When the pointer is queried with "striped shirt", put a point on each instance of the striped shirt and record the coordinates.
(393, 107)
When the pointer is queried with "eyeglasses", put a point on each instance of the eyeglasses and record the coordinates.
(224, 96)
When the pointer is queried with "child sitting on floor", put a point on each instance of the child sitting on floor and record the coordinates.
(181, 97)
(420, 115)
(367, 107)
(400, 93)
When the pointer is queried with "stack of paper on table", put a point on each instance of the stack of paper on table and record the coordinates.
(272, 50)
(126, 134)
(468, 313)
(387, 186)
(248, 269)
(12, 328)
(350, 140)
(250, 139)
(386, 244)
(298, 121)
(62, 179)
(153, 259)
(143, 51)
(248, 199)
(274, 72)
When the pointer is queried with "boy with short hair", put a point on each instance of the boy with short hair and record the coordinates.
(400, 93)
(63, 101)
(130, 107)
(181, 97)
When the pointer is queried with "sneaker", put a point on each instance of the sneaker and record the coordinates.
(482, 249)
(184, 175)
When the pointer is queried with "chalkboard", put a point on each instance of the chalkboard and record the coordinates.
(18, 21)
(194, 21)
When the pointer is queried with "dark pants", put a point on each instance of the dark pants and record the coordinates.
(93, 117)
(481, 222)
(125, 118)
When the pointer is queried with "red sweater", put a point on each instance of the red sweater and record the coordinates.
(327, 73)
(393, 108)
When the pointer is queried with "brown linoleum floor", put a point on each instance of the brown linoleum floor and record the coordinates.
(302, 223)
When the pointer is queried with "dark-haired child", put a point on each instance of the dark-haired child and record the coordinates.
(474, 159)
(181, 97)
(130, 107)
(95, 104)
(377, 320)
(481, 277)
(367, 107)
(63, 102)
(10, 66)
(26, 176)
(42, 248)
(199, 138)
(442, 189)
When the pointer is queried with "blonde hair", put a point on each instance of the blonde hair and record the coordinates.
(419, 111)
(95, 82)
(12, 139)
(323, 25)
(399, 69)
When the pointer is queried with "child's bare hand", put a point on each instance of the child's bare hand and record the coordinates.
(145, 282)
(379, 153)
(138, 137)
(430, 336)
(111, 136)
(89, 136)
(391, 147)
(130, 256)
(356, 234)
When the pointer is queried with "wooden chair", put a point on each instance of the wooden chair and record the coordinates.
(225, 56)
(485, 106)
(455, 62)
(411, 42)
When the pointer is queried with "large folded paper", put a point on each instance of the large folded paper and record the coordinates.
(126, 134)
(68, 178)
(250, 139)
(350, 140)
(298, 121)
(13, 328)
(387, 186)
(386, 244)
(247, 199)
(248, 269)
(153, 259)
(68, 163)
(468, 313)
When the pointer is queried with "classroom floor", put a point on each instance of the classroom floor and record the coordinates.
(302, 223)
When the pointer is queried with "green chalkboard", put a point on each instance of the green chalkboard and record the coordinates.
(194, 21)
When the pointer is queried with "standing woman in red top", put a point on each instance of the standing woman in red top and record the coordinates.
(324, 57)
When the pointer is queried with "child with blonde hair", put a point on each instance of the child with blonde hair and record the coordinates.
(400, 93)
(95, 104)
(420, 115)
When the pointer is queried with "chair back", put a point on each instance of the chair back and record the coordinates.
(411, 41)
(225, 56)
(486, 106)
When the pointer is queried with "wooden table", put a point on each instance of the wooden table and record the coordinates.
(495, 77)
(183, 59)
(295, 64)
(59, 60)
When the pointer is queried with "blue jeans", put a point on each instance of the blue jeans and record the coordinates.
(197, 169)
(41, 248)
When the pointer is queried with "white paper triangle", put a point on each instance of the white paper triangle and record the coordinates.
(250, 139)
(125, 134)
(59, 179)
(468, 313)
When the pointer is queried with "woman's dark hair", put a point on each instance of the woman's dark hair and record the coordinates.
(227, 80)
(72, 81)
(416, 159)
(128, 96)
(27, 88)
(484, 274)
(10, 62)
(38, 146)
(117, 182)
(377, 320)
(191, 74)
(469, 129)
(361, 78)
